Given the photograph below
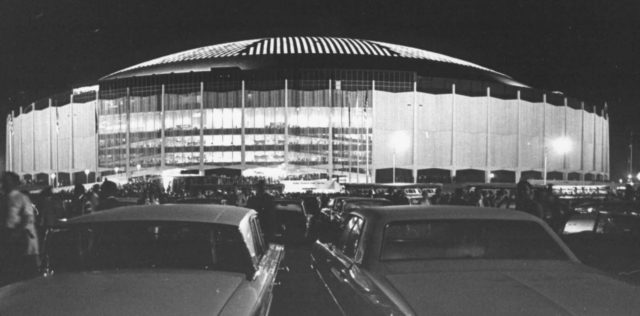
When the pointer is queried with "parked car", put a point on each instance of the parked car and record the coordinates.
(606, 235)
(292, 221)
(339, 206)
(458, 260)
(152, 260)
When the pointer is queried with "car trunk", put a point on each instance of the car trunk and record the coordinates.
(521, 288)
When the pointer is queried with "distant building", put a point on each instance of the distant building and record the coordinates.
(348, 107)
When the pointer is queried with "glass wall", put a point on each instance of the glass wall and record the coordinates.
(112, 127)
(182, 123)
(145, 117)
(264, 122)
(222, 123)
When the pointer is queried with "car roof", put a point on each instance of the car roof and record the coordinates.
(378, 217)
(203, 213)
(420, 212)
(292, 201)
(359, 198)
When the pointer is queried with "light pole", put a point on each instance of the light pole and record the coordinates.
(53, 179)
(86, 175)
(393, 174)
(561, 145)
(399, 142)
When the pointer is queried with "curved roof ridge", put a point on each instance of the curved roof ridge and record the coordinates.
(300, 45)
(204, 52)
(411, 52)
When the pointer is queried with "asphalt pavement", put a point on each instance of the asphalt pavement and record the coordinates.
(300, 291)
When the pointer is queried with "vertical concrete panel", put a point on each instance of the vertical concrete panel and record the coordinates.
(64, 135)
(392, 128)
(84, 149)
(574, 133)
(17, 142)
(531, 157)
(42, 129)
(504, 132)
(427, 131)
(588, 145)
(471, 132)
(27, 142)
(598, 144)
(554, 130)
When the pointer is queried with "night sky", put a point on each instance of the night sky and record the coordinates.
(586, 49)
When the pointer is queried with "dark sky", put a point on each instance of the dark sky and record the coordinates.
(587, 49)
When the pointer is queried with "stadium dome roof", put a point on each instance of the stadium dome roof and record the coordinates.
(309, 52)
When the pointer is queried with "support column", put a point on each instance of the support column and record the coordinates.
(127, 104)
(607, 138)
(22, 143)
(582, 141)
(595, 117)
(12, 143)
(286, 121)
(162, 128)
(330, 129)
(518, 175)
(414, 168)
(33, 137)
(544, 137)
(97, 136)
(453, 128)
(72, 159)
(487, 172)
(602, 169)
(201, 168)
(243, 149)
(367, 136)
(564, 135)
(519, 134)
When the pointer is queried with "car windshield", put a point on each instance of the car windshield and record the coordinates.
(143, 245)
(412, 191)
(468, 239)
(365, 203)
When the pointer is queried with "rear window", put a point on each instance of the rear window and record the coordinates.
(289, 207)
(412, 191)
(469, 239)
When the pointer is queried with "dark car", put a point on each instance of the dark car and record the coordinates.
(339, 206)
(152, 260)
(606, 234)
(292, 221)
(460, 260)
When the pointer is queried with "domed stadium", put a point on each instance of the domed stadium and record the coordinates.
(359, 110)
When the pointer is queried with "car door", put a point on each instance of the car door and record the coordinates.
(267, 257)
(324, 259)
(343, 276)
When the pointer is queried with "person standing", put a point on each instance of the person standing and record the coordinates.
(21, 228)
(525, 200)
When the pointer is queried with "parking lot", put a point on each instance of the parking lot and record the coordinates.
(300, 291)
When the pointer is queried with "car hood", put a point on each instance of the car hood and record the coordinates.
(121, 293)
(557, 289)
